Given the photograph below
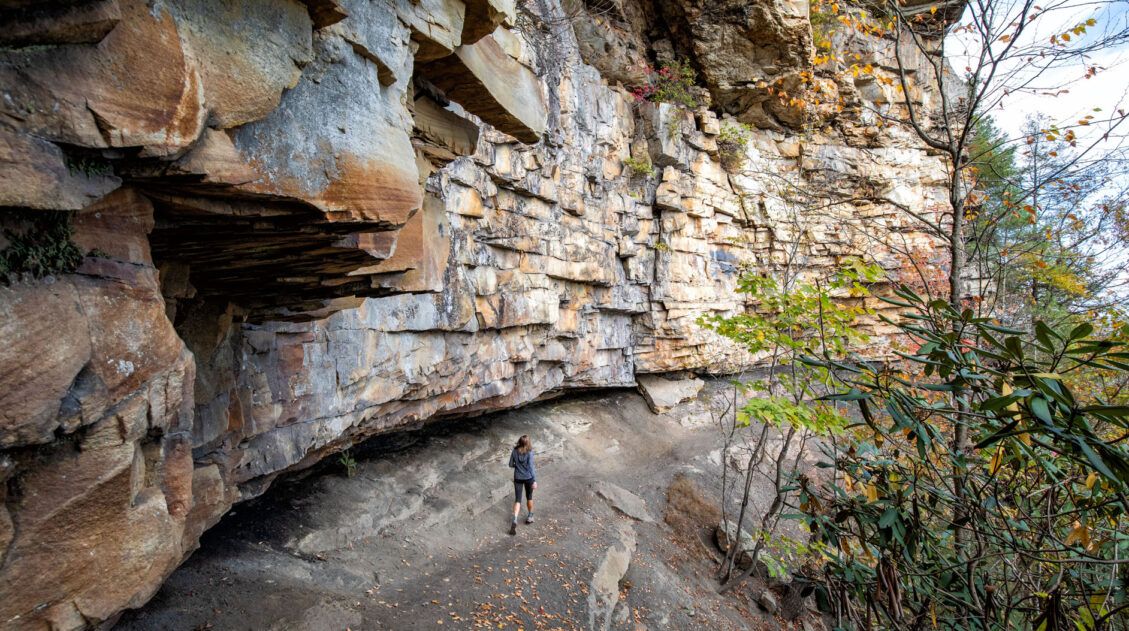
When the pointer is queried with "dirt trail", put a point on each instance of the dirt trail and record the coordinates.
(417, 539)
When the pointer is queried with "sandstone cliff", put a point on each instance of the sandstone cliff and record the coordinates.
(305, 223)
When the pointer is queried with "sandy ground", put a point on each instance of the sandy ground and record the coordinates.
(418, 537)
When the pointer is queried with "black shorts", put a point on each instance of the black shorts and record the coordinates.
(523, 484)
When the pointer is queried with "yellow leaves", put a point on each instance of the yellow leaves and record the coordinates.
(1091, 480)
(871, 492)
(933, 10)
(996, 461)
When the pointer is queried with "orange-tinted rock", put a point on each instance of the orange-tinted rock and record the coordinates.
(100, 512)
(300, 150)
(135, 88)
(447, 134)
(38, 374)
(212, 160)
(34, 173)
(421, 253)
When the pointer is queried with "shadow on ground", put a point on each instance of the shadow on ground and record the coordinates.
(417, 538)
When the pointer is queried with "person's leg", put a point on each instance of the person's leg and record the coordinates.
(517, 507)
(529, 501)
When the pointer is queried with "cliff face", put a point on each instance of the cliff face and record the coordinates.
(308, 223)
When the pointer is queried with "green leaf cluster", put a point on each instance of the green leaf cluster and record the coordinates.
(984, 486)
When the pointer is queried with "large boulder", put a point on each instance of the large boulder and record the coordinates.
(663, 394)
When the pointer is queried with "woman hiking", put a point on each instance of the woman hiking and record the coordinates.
(521, 461)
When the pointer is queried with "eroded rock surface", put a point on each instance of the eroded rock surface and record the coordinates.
(663, 394)
(306, 223)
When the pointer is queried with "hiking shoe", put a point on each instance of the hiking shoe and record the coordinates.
(513, 527)
(529, 518)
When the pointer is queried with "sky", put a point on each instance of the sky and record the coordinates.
(1108, 90)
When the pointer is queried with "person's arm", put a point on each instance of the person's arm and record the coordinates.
(513, 465)
(532, 469)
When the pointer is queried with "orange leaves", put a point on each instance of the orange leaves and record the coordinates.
(1080, 534)
(1062, 39)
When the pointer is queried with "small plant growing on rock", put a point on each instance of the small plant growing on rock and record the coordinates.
(731, 144)
(641, 166)
(37, 244)
(672, 83)
(347, 461)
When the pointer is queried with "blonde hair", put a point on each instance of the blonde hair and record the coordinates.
(524, 445)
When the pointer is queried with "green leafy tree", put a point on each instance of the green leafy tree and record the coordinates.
(1026, 528)
(782, 322)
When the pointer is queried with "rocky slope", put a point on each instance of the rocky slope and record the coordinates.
(306, 223)
(417, 538)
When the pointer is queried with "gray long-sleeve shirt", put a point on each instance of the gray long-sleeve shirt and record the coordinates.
(522, 464)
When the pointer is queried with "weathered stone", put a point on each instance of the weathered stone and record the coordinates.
(436, 25)
(135, 88)
(663, 394)
(212, 160)
(100, 514)
(493, 86)
(62, 23)
(624, 501)
(742, 48)
(421, 252)
(325, 12)
(34, 173)
(376, 35)
(603, 593)
(483, 16)
(724, 535)
(301, 150)
(450, 132)
(244, 74)
(345, 249)
(767, 601)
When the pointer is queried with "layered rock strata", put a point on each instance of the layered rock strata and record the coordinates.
(306, 223)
